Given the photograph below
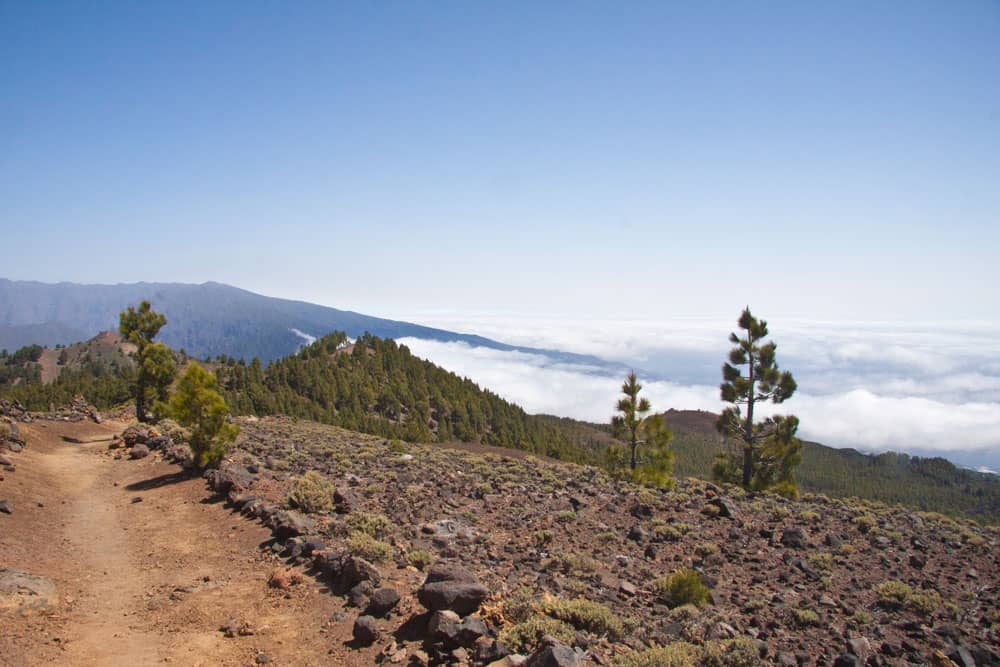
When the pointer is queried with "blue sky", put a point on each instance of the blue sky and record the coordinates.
(820, 160)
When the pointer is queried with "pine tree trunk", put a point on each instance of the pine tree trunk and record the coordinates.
(635, 446)
(748, 432)
(140, 397)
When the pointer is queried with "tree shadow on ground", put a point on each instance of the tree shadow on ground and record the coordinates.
(160, 480)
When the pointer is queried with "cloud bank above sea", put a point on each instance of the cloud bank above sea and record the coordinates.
(927, 387)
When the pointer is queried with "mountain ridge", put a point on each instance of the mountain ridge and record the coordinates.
(211, 318)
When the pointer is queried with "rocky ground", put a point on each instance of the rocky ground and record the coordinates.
(421, 554)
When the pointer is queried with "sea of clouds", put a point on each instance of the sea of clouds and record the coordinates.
(923, 388)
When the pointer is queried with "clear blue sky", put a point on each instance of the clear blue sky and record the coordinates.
(835, 159)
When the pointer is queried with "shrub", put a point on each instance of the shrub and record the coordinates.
(542, 538)
(572, 564)
(365, 546)
(374, 525)
(569, 516)
(739, 652)
(397, 447)
(893, 594)
(420, 559)
(821, 561)
(525, 636)
(805, 617)
(705, 549)
(682, 587)
(864, 522)
(585, 614)
(311, 493)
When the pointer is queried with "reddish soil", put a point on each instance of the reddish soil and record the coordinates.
(150, 581)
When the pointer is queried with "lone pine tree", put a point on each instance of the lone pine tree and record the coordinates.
(638, 429)
(770, 450)
(155, 364)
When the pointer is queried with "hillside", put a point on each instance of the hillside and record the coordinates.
(424, 555)
(206, 320)
(929, 484)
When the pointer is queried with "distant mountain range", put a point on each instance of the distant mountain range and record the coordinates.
(207, 320)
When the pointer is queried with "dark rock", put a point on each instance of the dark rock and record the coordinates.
(160, 442)
(451, 587)
(289, 523)
(344, 501)
(727, 508)
(637, 534)
(961, 656)
(230, 477)
(382, 602)
(443, 626)
(471, 630)
(642, 511)
(833, 541)
(354, 570)
(135, 434)
(365, 630)
(918, 561)
(794, 537)
(360, 594)
(139, 451)
(553, 655)
(5, 507)
(847, 660)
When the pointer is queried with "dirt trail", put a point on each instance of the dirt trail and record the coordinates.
(146, 570)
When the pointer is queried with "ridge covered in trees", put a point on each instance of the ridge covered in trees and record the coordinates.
(377, 386)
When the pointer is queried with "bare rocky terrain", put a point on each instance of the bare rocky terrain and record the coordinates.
(414, 554)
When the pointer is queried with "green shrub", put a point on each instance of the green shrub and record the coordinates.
(420, 559)
(805, 617)
(864, 522)
(893, 593)
(585, 614)
(682, 587)
(525, 636)
(542, 538)
(397, 447)
(821, 561)
(365, 546)
(375, 525)
(705, 549)
(311, 493)
(739, 652)
(572, 564)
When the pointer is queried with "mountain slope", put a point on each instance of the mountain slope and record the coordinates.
(923, 483)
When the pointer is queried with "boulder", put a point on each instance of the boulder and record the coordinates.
(135, 434)
(451, 587)
(365, 630)
(794, 537)
(139, 451)
(382, 602)
(5, 507)
(443, 626)
(727, 508)
(289, 523)
(553, 654)
(230, 477)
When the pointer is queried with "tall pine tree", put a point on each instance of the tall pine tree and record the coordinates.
(770, 450)
(155, 364)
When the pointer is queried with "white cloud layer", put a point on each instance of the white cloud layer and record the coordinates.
(873, 386)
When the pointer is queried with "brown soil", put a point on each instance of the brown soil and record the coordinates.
(150, 581)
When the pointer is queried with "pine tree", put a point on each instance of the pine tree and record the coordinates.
(638, 429)
(156, 369)
(770, 450)
(197, 405)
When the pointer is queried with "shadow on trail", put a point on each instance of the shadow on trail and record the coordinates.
(160, 480)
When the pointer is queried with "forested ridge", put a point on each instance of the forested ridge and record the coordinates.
(377, 386)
